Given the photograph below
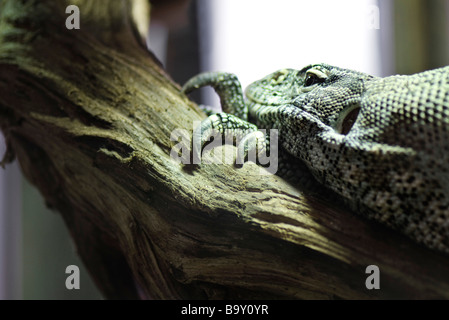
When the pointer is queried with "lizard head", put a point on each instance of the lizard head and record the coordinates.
(331, 94)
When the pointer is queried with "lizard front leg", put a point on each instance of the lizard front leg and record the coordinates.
(252, 144)
(228, 88)
(231, 125)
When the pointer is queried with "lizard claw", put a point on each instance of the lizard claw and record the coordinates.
(231, 125)
(251, 148)
(201, 135)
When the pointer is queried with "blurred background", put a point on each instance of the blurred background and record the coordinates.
(250, 38)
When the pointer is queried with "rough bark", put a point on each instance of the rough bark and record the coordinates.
(88, 114)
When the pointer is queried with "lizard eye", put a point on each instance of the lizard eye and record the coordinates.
(311, 79)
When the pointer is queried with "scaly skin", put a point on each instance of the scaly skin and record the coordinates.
(381, 143)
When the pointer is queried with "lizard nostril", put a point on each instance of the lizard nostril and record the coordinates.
(347, 119)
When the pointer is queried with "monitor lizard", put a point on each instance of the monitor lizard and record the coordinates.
(380, 143)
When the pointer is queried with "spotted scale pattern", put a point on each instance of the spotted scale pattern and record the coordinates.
(380, 143)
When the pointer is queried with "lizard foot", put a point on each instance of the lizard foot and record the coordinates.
(231, 126)
(228, 129)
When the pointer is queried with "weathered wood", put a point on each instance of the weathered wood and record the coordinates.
(88, 114)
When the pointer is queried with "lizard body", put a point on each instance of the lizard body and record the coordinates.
(381, 143)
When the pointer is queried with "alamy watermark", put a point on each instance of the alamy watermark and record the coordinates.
(373, 280)
(372, 17)
(73, 21)
(73, 280)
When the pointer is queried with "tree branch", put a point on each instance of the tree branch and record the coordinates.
(89, 113)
